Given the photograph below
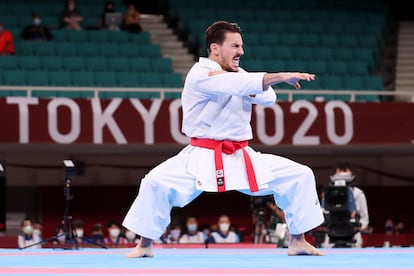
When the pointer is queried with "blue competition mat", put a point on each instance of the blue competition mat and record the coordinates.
(207, 261)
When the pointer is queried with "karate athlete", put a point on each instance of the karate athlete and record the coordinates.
(217, 102)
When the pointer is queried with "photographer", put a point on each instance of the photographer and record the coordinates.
(356, 201)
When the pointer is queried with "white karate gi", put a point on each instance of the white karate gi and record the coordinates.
(219, 107)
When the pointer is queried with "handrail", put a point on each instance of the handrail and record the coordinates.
(162, 90)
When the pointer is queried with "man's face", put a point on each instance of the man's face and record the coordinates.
(228, 54)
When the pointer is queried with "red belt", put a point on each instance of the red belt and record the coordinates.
(227, 147)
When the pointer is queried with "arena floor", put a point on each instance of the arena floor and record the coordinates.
(243, 260)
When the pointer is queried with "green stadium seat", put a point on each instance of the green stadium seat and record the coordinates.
(149, 79)
(129, 50)
(117, 64)
(262, 52)
(86, 49)
(36, 78)
(98, 36)
(329, 40)
(282, 52)
(59, 78)
(253, 64)
(332, 83)
(172, 80)
(338, 68)
(105, 79)
(373, 82)
(274, 65)
(303, 52)
(161, 64)
(82, 78)
(348, 40)
(141, 38)
(108, 49)
(29, 62)
(23, 47)
(323, 53)
(14, 77)
(353, 83)
(119, 37)
(150, 50)
(290, 39)
(65, 49)
(127, 79)
(9, 63)
(318, 67)
(44, 48)
(309, 40)
(60, 35)
(77, 36)
(139, 64)
(359, 67)
(51, 63)
(344, 54)
(73, 63)
(296, 66)
(95, 63)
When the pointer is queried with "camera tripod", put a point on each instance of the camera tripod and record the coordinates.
(71, 238)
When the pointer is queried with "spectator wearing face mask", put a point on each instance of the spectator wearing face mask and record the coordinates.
(36, 30)
(79, 232)
(131, 237)
(223, 233)
(27, 237)
(115, 238)
(71, 18)
(192, 234)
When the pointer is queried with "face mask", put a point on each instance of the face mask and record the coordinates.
(37, 21)
(114, 232)
(79, 233)
(130, 235)
(175, 233)
(192, 227)
(224, 227)
(28, 229)
(61, 238)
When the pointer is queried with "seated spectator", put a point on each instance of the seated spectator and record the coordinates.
(131, 237)
(60, 236)
(223, 233)
(27, 238)
(114, 238)
(102, 24)
(192, 234)
(97, 235)
(389, 227)
(71, 18)
(132, 20)
(36, 31)
(6, 42)
(79, 232)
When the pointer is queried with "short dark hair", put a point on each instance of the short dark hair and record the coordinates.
(344, 165)
(216, 32)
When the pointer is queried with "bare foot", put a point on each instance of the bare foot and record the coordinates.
(299, 246)
(142, 250)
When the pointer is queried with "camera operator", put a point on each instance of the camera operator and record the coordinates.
(272, 230)
(357, 203)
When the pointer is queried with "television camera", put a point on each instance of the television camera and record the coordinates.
(340, 225)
